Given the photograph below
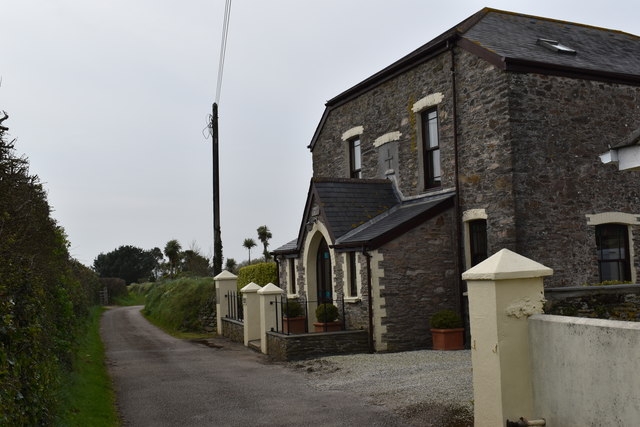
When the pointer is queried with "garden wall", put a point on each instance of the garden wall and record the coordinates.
(233, 330)
(584, 371)
(615, 302)
(294, 347)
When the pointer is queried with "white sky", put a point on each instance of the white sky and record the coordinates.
(108, 99)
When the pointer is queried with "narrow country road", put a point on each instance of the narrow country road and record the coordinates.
(163, 381)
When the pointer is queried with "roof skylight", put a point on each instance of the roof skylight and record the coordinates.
(556, 46)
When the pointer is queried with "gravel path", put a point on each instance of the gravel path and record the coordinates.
(427, 388)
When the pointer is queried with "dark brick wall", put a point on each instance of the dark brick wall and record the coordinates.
(233, 330)
(293, 347)
(618, 302)
(559, 126)
(419, 280)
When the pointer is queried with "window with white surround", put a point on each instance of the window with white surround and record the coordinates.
(353, 151)
(292, 276)
(355, 158)
(428, 144)
(475, 236)
(351, 277)
(431, 148)
(614, 245)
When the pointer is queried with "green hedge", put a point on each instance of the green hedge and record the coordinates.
(177, 304)
(260, 274)
(44, 297)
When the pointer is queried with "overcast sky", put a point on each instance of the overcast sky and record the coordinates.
(108, 99)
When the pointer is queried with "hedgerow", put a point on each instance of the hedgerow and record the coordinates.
(181, 304)
(44, 296)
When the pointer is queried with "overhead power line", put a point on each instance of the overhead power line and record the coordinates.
(223, 47)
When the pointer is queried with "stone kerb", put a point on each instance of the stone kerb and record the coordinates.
(225, 282)
(251, 312)
(504, 290)
(268, 317)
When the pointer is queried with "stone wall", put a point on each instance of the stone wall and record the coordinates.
(294, 347)
(559, 127)
(614, 302)
(233, 330)
(484, 147)
(385, 109)
(419, 279)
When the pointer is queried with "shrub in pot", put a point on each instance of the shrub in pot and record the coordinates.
(293, 321)
(447, 330)
(327, 314)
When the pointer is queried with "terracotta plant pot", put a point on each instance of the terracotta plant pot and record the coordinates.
(294, 325)
(448, 339)
(327, 327)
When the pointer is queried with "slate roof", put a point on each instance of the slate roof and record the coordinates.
(401, 217)
(509, 41)
(363, 211)
(514, 36)
(290, 247)
(346, 204)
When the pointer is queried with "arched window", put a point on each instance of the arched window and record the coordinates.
(323, 273)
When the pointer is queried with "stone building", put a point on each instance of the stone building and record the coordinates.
(487, 137)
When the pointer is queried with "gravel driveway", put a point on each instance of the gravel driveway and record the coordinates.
(427, 388)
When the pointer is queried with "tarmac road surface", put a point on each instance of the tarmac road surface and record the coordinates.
(163, 381)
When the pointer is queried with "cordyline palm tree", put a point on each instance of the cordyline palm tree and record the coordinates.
(264, 235)
(172, 251)
(249, 243)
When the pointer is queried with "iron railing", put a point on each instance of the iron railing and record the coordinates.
(234, 306)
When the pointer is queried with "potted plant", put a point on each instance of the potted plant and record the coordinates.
(293, 320)
(327, 314)
(447, 330)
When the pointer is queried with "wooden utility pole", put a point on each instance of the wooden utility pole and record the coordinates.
(217, 240)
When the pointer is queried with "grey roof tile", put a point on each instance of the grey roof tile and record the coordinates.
(399, 215)
(515, 36)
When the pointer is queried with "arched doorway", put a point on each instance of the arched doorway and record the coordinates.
(323, 273)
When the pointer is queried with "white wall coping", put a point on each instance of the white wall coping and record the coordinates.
(586, 321)
(505, 265)
(354, 131)
(387, 137)
(428, 101)
(250, 288)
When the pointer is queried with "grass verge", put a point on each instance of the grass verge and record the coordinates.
(87, 394)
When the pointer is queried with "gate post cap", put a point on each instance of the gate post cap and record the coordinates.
(225, 275)
(250, 288)
(504, 265)
(270, 289)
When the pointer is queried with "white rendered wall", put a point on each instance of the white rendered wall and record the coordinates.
(585, 372)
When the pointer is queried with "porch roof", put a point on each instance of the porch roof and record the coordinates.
(394, 222)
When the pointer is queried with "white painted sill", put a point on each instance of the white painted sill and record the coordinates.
(352, 300)
(292, 296)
